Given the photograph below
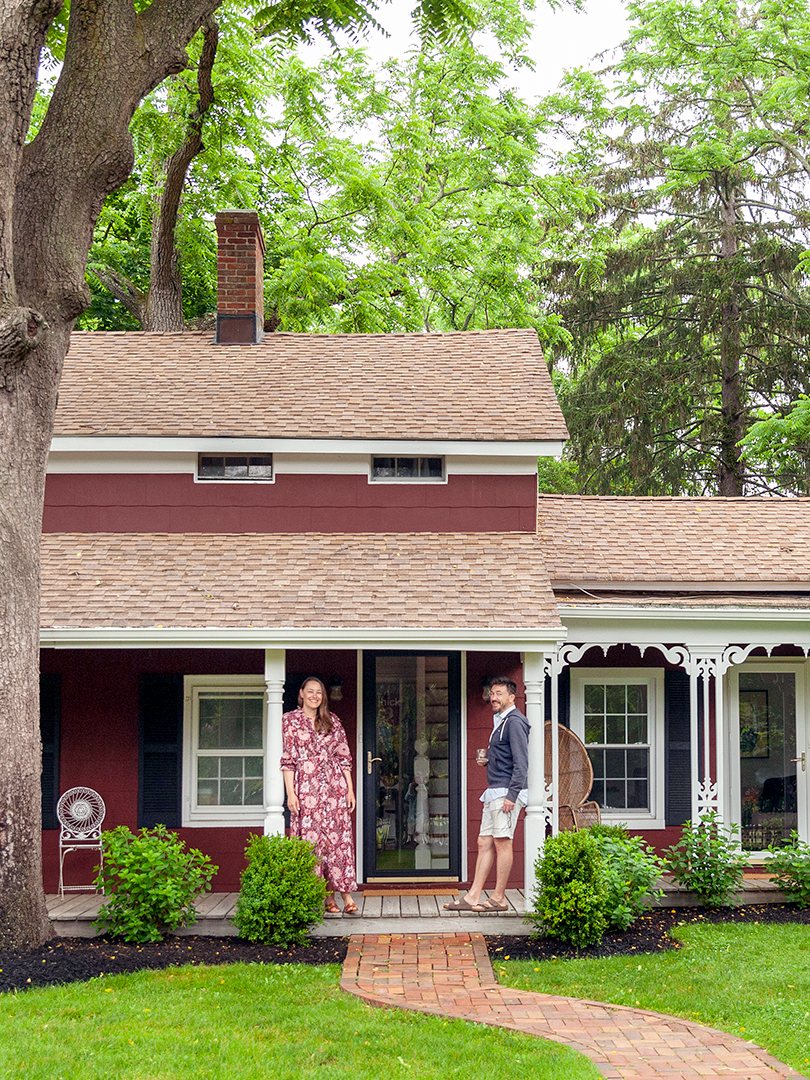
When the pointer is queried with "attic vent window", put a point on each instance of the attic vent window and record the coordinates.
(235, 467)
(407, 468)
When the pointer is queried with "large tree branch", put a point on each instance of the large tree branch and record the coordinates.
(124, 290)
(114, 56)
(164, 307)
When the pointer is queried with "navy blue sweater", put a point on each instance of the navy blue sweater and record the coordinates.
(508, 765)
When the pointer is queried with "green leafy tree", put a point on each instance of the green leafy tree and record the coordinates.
(685, 295)
(52, 188)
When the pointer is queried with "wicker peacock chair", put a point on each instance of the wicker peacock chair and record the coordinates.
(576, 781)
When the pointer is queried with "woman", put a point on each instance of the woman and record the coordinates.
(317, 766)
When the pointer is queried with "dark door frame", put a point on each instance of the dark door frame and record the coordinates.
(368, 728)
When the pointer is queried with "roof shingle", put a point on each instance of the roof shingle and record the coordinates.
(484, 385)
(606, 539)
(323, 580)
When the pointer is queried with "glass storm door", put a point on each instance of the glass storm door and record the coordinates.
(411, 766)
(770, 753)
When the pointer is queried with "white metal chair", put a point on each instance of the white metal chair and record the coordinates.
(81, 812)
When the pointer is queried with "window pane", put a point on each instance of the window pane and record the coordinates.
(384, 466)
(594, 729)
(407, 466)
(206, 793)
(207, 767)
(231, 766)
(260, 467)
(637, 798)
(615, 794)
(594, 698)
(598, 792)
(615, 699)
(254, 794)
(254, 766)
(637, 729)
(431, 466)
(637, 698)
(615, 729)
(598, 761)
(231, 793)
(614, 763)
(637, 763)
(235, 468)
(254, 725)
(211, 466)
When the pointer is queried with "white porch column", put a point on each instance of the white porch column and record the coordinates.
(708, 793)
(274, 673)
(536, 813)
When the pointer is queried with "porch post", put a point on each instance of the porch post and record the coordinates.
(707, 793)
(535, 823)
(274, 672)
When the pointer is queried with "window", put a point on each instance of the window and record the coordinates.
(618, 713)
(407, 468)
(235, 467)
(223, 766)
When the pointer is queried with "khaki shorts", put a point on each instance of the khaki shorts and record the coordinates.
(498, 822)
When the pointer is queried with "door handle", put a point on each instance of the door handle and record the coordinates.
(802, 759)
(369, 761)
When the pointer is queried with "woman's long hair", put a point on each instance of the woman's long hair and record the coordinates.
(323, 721)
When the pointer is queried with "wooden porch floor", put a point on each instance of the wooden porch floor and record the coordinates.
(402, 913)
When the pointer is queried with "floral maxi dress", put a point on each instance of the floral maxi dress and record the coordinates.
(324, 820)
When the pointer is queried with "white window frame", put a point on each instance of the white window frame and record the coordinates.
(215, 816)
(372, 479)
(234, 479)
(653, 678)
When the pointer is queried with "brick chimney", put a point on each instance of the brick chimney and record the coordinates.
(240, 278)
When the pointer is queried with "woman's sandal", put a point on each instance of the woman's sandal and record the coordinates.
(350, 908)
(332, 908)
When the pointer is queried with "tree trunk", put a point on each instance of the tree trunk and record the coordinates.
(731, 473)
(51, 191)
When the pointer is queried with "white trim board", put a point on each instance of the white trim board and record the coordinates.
(115, 445)
(486, 639)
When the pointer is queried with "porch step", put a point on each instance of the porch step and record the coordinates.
(401, 913)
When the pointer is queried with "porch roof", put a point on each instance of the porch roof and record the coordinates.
(489, 385)
(678, 545)
(479, 582)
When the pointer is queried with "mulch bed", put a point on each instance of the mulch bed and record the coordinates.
(649, 934)
(66, 960)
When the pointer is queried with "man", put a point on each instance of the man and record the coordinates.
(507, 771)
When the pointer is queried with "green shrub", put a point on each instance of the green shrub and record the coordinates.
(152, 882)
(571, 889)
(281, 896)
(631, 869)
(708, 861)
(789, 865)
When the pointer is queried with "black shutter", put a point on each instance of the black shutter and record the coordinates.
(160, 751)
(677, 760)
(49, 717)
(563, 697)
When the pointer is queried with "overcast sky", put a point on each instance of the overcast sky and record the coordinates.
(562, 38)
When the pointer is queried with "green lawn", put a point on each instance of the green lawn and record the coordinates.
(244, 1021)
(749, 979)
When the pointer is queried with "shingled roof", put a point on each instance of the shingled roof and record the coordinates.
(488, 385)
(355, 580)
(762, 542)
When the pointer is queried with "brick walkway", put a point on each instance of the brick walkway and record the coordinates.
(451, 975)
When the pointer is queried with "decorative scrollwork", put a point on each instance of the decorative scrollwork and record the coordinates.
(673, 654)
(708, 798)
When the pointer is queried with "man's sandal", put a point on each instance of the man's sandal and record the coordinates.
(461, 904)
(491, 907)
